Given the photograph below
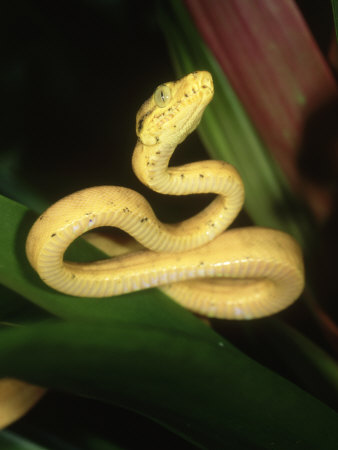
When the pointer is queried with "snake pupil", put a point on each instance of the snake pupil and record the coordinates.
(162, 95)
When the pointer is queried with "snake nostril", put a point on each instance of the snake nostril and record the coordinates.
(207, 82)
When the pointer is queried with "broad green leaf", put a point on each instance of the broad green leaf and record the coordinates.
(147, 307)
(194, 384)
(147, 354)
(16, 310)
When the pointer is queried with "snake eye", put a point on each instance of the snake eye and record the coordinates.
(162, 95)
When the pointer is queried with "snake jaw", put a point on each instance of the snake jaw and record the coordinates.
(181, 114)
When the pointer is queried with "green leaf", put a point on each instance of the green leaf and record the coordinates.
(15, 310)
(194, 384)
(147, 354)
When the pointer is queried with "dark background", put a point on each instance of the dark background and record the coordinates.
(73, 75)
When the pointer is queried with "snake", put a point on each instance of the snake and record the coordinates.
(241, 273)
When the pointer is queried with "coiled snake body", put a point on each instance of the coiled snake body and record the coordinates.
(238, 274)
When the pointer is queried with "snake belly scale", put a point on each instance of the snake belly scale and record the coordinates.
(236, 274)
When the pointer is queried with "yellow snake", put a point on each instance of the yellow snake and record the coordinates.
(238, 274)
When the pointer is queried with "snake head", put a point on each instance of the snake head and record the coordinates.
(174, 110)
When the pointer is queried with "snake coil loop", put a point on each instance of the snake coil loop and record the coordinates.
(237, 274)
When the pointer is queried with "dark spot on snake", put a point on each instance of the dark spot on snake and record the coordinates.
(52, 235)
(194, 90)
(204, 86)
(41, 217)
(144, 219)
(201, 175)
(182, 175)
(140, 124)
(73, 276)
(202, 263)
(88, 213)
(126, 210)
(158, 153)
(186, 95)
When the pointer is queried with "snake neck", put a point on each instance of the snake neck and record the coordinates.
(150, 164)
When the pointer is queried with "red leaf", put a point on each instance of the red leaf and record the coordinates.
(272, 61)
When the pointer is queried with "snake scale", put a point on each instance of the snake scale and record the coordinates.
(240, 273)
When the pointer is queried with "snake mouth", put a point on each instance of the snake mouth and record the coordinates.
(209, 88)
